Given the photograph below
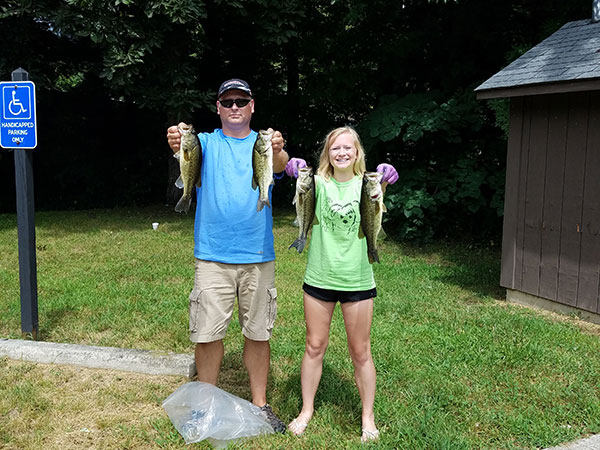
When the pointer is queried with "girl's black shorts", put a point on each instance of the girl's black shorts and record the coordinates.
(330, 295)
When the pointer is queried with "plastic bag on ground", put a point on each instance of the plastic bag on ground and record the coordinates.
(202, 411)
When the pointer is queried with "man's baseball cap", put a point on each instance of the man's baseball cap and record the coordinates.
(234, 83)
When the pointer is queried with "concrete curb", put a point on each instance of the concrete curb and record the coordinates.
(591, 443)
(129, 360)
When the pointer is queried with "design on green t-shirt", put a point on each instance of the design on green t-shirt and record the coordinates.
(344, 218)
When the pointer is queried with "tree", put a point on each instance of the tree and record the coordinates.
(402, 72)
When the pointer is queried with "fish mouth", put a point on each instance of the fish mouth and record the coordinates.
(265, 134)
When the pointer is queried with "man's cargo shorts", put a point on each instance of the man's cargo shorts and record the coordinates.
(216, 285)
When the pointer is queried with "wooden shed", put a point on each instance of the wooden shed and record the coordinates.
(551, 231)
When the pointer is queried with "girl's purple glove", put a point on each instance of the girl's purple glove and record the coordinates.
(390, 175)
(291, 168)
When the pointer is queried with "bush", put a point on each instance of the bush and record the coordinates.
(451, 179)
(465, 197)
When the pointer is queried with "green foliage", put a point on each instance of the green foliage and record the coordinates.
(501, 108)
(415, 115)
(65, 83)
(401, 72)
(442, 191)
(126, 43)
(279, 20)
(463, 197)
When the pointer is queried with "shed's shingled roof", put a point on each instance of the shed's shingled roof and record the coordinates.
(570, 54)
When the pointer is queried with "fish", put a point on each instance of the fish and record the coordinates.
(371, 213)
(304, 199)
(262, 167)
(190, 163)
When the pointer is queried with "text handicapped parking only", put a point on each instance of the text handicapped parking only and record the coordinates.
(17, 114)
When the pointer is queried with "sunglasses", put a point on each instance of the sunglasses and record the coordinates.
(240, 102)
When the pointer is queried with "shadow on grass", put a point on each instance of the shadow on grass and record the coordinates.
(283, 216)
(8, 221)
(116, 219)
(56, 318)
(334, 394)
(470, 266)
(233, 376)
(135, 218)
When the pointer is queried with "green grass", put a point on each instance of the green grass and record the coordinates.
(458, 368)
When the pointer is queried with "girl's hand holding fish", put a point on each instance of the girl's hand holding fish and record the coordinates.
(293, 165)
(390, 175)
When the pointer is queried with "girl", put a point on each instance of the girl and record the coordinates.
(338, 270)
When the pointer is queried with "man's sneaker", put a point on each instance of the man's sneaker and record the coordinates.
(273, 420)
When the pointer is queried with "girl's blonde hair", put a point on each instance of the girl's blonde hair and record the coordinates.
(325, 168)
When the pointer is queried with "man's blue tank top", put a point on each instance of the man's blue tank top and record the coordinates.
(228, 228)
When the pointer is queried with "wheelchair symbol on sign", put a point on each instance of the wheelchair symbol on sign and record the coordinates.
(16, 103)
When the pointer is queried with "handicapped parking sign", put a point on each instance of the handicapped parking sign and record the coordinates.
(17, 118)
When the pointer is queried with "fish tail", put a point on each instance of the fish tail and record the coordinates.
(261, 204)
(373, 256)
(183, 205)
(298, 244)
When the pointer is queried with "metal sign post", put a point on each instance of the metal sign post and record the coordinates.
(18, 125)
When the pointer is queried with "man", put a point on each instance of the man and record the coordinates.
(233, 245)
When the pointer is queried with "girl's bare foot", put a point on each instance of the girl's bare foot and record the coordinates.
(368, 436)
(299, 424)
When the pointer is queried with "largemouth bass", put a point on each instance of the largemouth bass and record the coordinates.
(371, 213)
(262, 166)
(190, 163)
(304, 199)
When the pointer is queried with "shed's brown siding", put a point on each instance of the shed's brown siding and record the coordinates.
(551, 238)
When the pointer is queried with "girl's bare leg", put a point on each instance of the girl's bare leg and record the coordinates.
(357, 319)
(317, 315)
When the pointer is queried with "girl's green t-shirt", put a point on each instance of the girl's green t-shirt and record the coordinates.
(337, 257)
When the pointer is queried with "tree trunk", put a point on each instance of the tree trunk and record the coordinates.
(293, 81)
